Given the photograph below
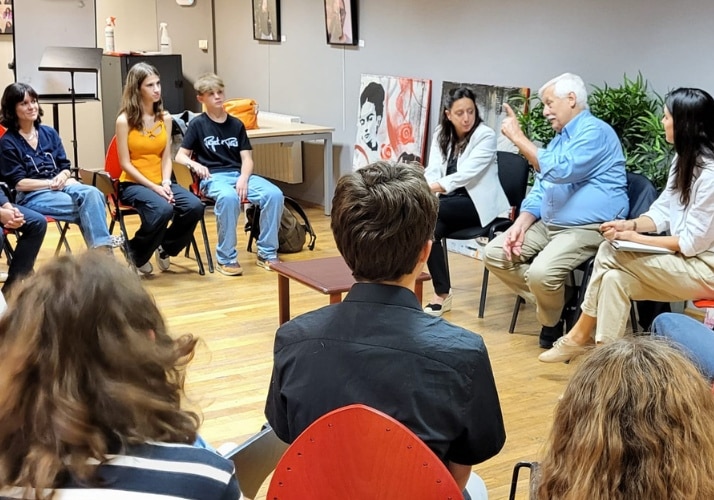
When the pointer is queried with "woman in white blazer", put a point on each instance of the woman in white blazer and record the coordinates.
(463, 172)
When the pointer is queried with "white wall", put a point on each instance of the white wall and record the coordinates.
(6, 56)
(501, 42)
(136, 24)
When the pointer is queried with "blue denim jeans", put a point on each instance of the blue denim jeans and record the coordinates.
(76, 203)
(156, 213)
(221, 187)
(695, 338)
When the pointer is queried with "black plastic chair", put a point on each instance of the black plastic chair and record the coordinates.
(641, 193)
(187, 179)
(513, 172)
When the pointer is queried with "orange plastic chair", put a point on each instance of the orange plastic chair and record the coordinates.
(357, 452)
(118, 210)
(704, 303)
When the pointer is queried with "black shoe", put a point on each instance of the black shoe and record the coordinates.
(549, 334)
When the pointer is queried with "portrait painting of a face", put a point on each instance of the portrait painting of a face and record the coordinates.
(266, 20)
(6, 25)
(341, 22)
(392, 119)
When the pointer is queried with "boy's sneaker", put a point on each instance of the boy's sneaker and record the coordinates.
(116, 241)
(145, 269)
(266, 263)
(162, 259)
(231, 269)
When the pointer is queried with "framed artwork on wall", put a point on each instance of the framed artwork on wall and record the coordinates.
(6, 24)
(266, 20)
(392, 119)
(341, 22)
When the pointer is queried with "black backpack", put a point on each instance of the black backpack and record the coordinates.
(294, 227)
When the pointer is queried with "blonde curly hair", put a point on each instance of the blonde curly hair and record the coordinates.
(635, 422)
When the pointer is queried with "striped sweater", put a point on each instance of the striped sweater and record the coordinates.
(155, 471)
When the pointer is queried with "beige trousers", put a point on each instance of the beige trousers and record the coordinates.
(620, 277)
(549, 254)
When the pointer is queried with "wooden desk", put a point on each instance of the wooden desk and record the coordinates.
(271, 132)
(329, 276)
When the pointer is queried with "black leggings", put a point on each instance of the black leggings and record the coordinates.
(455, 212)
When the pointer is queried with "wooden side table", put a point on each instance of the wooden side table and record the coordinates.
(329, 276)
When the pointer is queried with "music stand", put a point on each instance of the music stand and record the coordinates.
(72, 60)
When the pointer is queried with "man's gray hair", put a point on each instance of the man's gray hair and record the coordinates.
(566, 83)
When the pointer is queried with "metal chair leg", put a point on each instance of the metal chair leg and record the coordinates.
(514, 317)
(484, 289)
(199, 261)
(207, 245)
(533, 466)
(63, 238)
(633, 318)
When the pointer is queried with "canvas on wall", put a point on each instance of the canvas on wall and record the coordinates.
(392, 119)
(266, 20)
(490, 99)
(6, 25)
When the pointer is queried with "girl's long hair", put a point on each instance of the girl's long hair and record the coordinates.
(692, 113)
(131, 97)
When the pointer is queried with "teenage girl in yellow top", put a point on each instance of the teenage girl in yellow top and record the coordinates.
(143, 131)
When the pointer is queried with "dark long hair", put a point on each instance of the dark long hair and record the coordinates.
(692, 113)
(447, 134)
(11, 97)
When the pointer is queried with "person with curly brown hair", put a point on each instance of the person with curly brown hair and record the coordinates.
(91, 386)
(635, 421)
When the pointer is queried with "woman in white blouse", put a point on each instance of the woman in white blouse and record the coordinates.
(463, 172)
(685, 209)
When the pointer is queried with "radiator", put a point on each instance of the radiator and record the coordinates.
(279, 161)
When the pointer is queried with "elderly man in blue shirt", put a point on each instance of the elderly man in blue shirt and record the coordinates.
(580, 182)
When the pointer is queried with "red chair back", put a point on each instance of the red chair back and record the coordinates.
(111, 161)
(357, 452)
(704, 303)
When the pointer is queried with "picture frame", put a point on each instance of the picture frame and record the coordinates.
(392, 119)
(7, 23)
(266, 20)
(341, 22)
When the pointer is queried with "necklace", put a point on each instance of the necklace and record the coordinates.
(31, 137)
